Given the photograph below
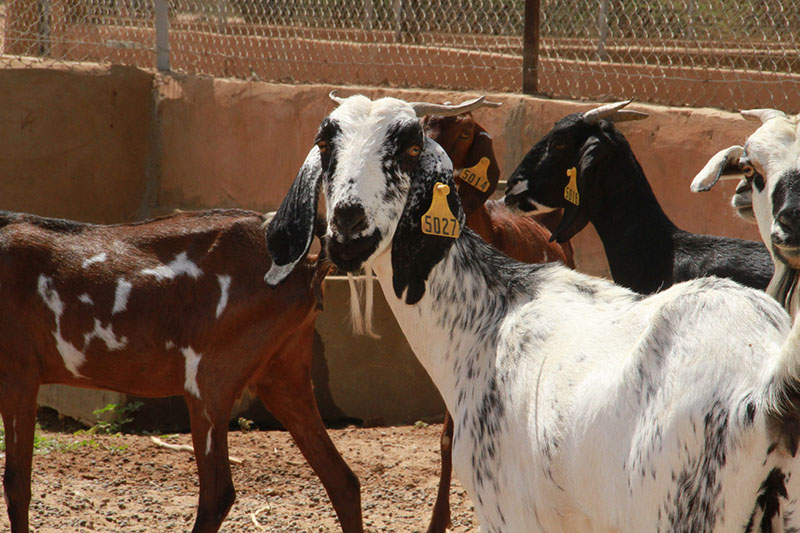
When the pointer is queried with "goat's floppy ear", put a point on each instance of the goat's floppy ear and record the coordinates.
(471, 197)
(291, 230)
(724, 162)
(593, 155)
(414, 253)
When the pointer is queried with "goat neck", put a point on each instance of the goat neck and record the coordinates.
(452, 329)
(631, 224)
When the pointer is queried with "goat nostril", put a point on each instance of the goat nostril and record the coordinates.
(350, 219)
(790, 218)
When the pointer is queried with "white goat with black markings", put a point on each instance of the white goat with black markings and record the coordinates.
(769, 194)
(578, 405)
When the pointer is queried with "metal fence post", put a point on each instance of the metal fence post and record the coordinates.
(530, 48)
(602, 23)
(162, 35)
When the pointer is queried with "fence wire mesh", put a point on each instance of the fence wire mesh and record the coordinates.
(721, 53)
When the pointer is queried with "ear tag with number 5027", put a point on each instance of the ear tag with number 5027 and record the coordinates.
(439, 220)
(571, 190)
(476, 176)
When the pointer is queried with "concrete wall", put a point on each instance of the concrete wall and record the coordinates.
(120, 144)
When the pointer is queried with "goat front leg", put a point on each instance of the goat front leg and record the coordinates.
(210, 438)
(290, 398)
(18, 408)
(440, 520)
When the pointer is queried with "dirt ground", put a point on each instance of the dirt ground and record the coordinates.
(126, 483)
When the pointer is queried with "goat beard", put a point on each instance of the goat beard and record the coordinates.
(785, 289)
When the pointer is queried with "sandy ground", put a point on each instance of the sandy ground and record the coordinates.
(122, 483)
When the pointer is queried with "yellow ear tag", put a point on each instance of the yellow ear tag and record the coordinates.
(571, 190)
(439, 220)
(476, 176)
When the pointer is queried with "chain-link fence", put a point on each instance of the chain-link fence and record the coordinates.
(721, 53)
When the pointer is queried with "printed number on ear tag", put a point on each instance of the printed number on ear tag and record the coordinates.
(439, 220)
(476, 176)
(571, 190)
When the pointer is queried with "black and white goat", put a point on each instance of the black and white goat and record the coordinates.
(586, 166)
(578, 404)
(769, 194)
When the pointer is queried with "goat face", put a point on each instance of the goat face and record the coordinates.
(378, 172)
(466, 143)
(568, 158)
(770, 191)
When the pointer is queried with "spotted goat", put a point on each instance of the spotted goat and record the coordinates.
(471, 151)
(172, 306)
(578, 404)
(586, 166)
(769, 194)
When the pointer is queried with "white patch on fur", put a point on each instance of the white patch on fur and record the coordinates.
(169, 345)
(192, 362)
(86, 299)
(224, 288)
(72, 357)
(99, 258)
(121, 294)
(518, 188)
(106, 335)
(485, 134)
(178, 266)
(208, 440)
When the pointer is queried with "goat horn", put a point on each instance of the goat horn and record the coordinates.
(625, 115)
(761, 114)
(424, 108)
(604, 111)
(337, 99)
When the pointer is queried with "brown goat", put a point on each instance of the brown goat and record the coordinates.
(520, 237)
(176, 305)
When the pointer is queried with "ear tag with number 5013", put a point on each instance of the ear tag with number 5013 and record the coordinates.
(476, 176)
(571, 190)
(439, 220)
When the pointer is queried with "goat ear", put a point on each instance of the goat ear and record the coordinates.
(471, 197)
(291, 230)
(593, 155)
(414, 254)
(723, 162)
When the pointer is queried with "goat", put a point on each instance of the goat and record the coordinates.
(579, 405)
(586, 166)
(468, 144)
(163, 307)
(768, 193)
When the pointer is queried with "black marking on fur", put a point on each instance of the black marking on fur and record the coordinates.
(695, 505)
(769, 501)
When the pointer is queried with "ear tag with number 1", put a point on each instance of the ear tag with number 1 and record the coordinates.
(571, 190)
(476, 176)
(439, 220)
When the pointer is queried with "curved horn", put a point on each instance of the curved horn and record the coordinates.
(626, 115)
(337, 99)
(761, 114)
(424, 108)
(604, 111)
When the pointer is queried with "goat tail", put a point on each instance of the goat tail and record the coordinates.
(783, 394)
(362, 321)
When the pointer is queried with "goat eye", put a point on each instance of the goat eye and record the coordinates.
(465, 135)
(414, 151)
(748, 171)
(559, 146)
(323, 146)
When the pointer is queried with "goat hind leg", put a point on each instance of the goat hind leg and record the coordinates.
(210, 439)
(19, 418)
(295, 407)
